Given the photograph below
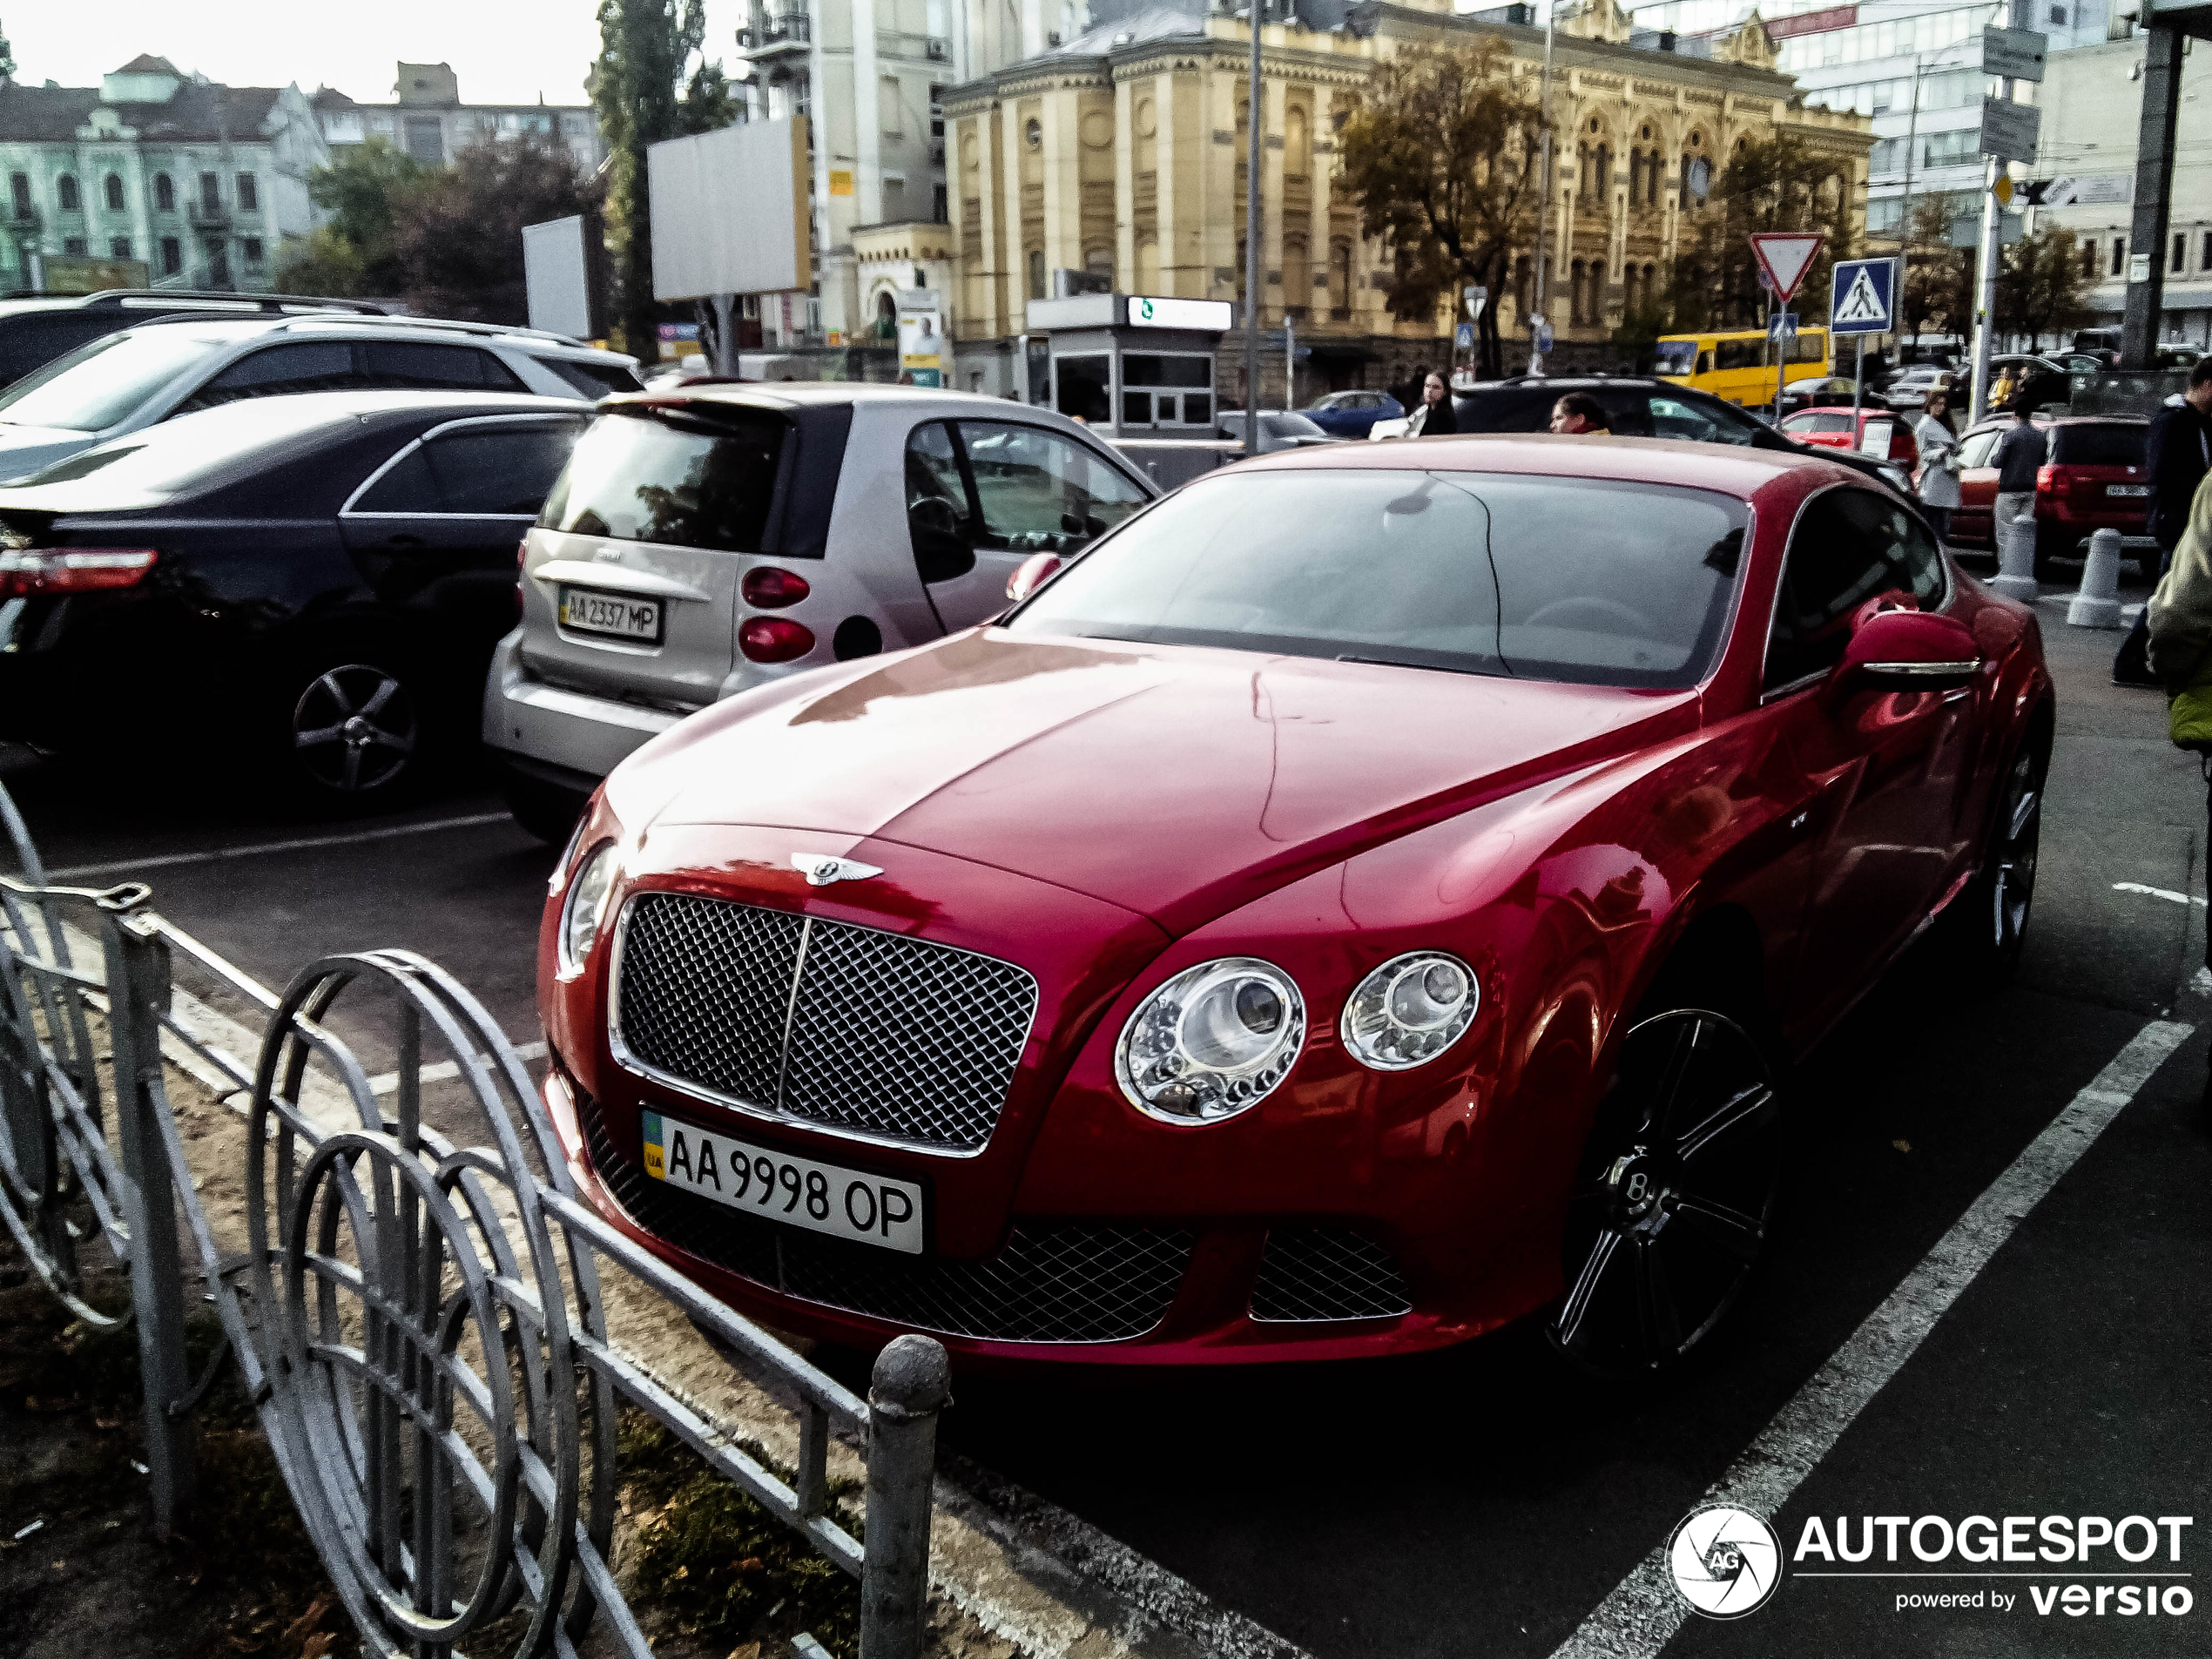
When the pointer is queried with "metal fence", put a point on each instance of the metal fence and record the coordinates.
(419, 1323)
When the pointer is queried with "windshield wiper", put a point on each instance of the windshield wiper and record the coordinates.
(1441, 668)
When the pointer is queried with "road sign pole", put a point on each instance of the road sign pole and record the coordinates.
(1858, 387)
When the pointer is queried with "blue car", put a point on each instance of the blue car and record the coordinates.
(1348, 415)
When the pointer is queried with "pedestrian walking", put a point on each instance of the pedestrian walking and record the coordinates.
(2019, 456)
(2178, 628)
(1579, 412)
(2177, 453)
(1434, 417)
(1939, 461)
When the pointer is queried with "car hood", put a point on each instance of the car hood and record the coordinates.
(1173, 781)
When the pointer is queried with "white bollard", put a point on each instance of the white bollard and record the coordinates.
(2098, 603)
(2015, 576)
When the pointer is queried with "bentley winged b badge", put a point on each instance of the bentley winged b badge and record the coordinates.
(821, 869)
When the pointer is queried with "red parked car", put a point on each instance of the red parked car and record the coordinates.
(1368, 898)
(2094, 479)
(1870, 432)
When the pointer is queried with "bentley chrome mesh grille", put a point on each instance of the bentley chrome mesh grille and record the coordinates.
(1086, 1282)
(1310, 1273)
(821, 1020)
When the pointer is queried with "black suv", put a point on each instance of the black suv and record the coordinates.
(1642, 407)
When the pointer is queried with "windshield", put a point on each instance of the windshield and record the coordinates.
(1476, 572)
(1675, 357)
(96, 386)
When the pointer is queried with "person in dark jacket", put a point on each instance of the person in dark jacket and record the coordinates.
(1434, 416)
(2177, 453)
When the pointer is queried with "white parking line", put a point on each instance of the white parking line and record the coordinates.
(2166, 893)
(1644, 1612)
(130, 866)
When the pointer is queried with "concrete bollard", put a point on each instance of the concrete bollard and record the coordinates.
(2015, 576)
(911, 1384)
(2098, 603)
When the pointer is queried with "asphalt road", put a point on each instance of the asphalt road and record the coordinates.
(1481, 1501)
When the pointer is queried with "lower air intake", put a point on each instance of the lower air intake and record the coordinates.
(1314, 1273)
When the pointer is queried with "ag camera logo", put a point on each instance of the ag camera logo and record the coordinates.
(1726, 1562)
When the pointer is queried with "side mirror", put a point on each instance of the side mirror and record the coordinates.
(1909, 650)
(1032, 574)
(940, 551)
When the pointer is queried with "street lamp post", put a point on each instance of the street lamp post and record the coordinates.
(1251, 246)
(1544, 200)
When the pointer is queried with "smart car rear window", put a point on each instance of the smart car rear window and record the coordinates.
(2098, 444)
(644, 475)
(1587, 580)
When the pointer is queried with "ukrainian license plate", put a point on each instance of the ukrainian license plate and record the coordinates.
(583, 611)
(799, 1193)
(2127, 490)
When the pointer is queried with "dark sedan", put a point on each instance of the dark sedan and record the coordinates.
(317, 579)
(1641, 406)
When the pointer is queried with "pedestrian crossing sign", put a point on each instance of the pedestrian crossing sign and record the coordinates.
(1864, 297)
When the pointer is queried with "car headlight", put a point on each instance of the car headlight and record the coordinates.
(1410, 1010)
(586, 905)
(1213, 1041)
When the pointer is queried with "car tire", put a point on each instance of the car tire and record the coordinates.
(1987, 922)
(352, 723)
(1673, 1209)
(544, 810)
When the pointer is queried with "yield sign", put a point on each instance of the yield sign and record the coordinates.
(1785, 256)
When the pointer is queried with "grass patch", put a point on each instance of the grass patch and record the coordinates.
(715, 1565)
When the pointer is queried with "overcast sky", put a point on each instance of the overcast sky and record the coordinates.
(505, 51)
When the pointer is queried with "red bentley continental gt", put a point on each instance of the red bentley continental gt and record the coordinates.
(1368, 898)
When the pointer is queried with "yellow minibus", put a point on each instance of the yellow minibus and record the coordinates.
(1738, 365)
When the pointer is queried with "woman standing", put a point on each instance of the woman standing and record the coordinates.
(1938, 462)
(1434, 416)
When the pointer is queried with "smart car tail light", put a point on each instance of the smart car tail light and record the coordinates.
(37, 572)
(774, 639)
(767, 588)
(1214, 1041)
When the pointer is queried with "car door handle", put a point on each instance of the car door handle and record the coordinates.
(406, 543)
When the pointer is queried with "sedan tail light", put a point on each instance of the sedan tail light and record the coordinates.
(2050, 481)
(37, 572)
(774, 639)
(522, 558)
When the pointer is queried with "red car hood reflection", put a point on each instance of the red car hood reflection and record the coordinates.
(1173, 781)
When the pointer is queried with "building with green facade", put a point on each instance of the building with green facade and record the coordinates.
(203, 182)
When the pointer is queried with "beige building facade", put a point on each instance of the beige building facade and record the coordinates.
(1122, 156)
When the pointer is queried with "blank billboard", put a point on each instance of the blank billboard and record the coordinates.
(557, 273)
(730, 211)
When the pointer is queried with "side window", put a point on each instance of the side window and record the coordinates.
(406, 363)
(1702, 422)
(1850, 546)
(1037, 491)
(940, 512)
(1831, 423)
(1627, 409)
(507, 473)
(1976, 449)
(317, 366)
(409, 486)
(594, 379)
(1737, 353)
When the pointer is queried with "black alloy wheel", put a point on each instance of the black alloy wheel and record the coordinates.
(1670, 1220)
(355, 730)
(1999, 902)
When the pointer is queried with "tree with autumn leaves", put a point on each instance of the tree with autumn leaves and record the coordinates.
(1441, 157)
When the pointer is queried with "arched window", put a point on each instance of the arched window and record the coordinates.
(1340, 277)
(165, 194)
(886, 317)
(1597, 292)
(1576, 273)
(65, 191)
(1605, 174)
(1037, 273)
(112, 186)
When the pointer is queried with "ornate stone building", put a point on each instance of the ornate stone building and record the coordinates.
(1121, 155)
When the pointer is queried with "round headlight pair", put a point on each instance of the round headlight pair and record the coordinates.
(1217, 1039)
(584, 911)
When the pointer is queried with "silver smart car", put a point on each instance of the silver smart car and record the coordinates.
(711, 538)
